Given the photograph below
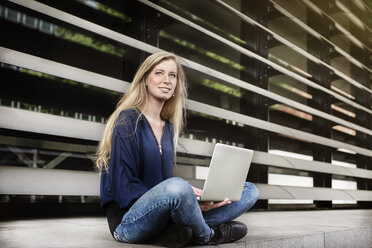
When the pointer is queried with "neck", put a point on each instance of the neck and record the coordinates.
(152, 110)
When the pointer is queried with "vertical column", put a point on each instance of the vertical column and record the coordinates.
(150, 26)
(256, 73)
(34, 165)
(363, 119)
(321, 101)
(144, 26)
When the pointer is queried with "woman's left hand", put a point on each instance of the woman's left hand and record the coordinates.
(208, 205)
(197, 192)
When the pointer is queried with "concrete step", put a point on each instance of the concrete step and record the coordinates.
(328, 228)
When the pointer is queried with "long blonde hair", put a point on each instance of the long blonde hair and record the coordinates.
(136, 96)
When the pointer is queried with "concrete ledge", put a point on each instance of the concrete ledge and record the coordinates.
(329, 228)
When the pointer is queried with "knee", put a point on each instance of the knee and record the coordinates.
(252, 191)
(178, 188)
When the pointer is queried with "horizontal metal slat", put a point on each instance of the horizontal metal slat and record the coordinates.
(24, 120)
(34, 181)
(57, 125)
(202, 148)
(254, 122)
(32, 121)
(311, 193)
(31, 62)
(28, 61)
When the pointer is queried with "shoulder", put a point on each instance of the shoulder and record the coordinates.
(127, 116)
(126, 121)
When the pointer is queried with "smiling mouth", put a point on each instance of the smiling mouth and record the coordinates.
(164, 89)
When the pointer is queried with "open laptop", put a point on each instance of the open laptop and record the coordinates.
(227, 173)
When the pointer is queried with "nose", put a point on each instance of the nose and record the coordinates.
(166, 79)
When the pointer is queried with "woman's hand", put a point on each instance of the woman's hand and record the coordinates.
(208, 205)
(198, 192)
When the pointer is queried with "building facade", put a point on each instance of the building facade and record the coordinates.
(289, 79)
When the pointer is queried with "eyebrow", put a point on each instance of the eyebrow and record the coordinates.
(164, 71)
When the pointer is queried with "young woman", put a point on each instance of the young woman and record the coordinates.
(142, 200)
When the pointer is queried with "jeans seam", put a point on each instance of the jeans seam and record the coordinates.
(121, 236)
(144, 214)
(183, 221)
(180, 213)
(141, 216)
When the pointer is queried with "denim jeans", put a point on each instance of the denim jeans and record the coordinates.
(174, 200)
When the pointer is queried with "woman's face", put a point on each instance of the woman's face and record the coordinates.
(162, 80)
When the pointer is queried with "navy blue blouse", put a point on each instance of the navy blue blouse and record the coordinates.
(136, 164)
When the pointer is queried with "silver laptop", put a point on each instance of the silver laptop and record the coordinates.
(227, 173)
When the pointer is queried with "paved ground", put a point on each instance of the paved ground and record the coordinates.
(331, 228)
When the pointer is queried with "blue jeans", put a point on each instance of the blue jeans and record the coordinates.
(174, 200)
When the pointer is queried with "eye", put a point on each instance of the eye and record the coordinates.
(159, 73)
(172, 75)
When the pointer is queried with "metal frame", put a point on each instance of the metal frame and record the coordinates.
(256, 56)
(338, 26)
(81, 23)
(68, 127)
(321, 127)
(319, 36)
(298, 49)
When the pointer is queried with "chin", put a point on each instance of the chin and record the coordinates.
(163, 98)
(166, 97)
